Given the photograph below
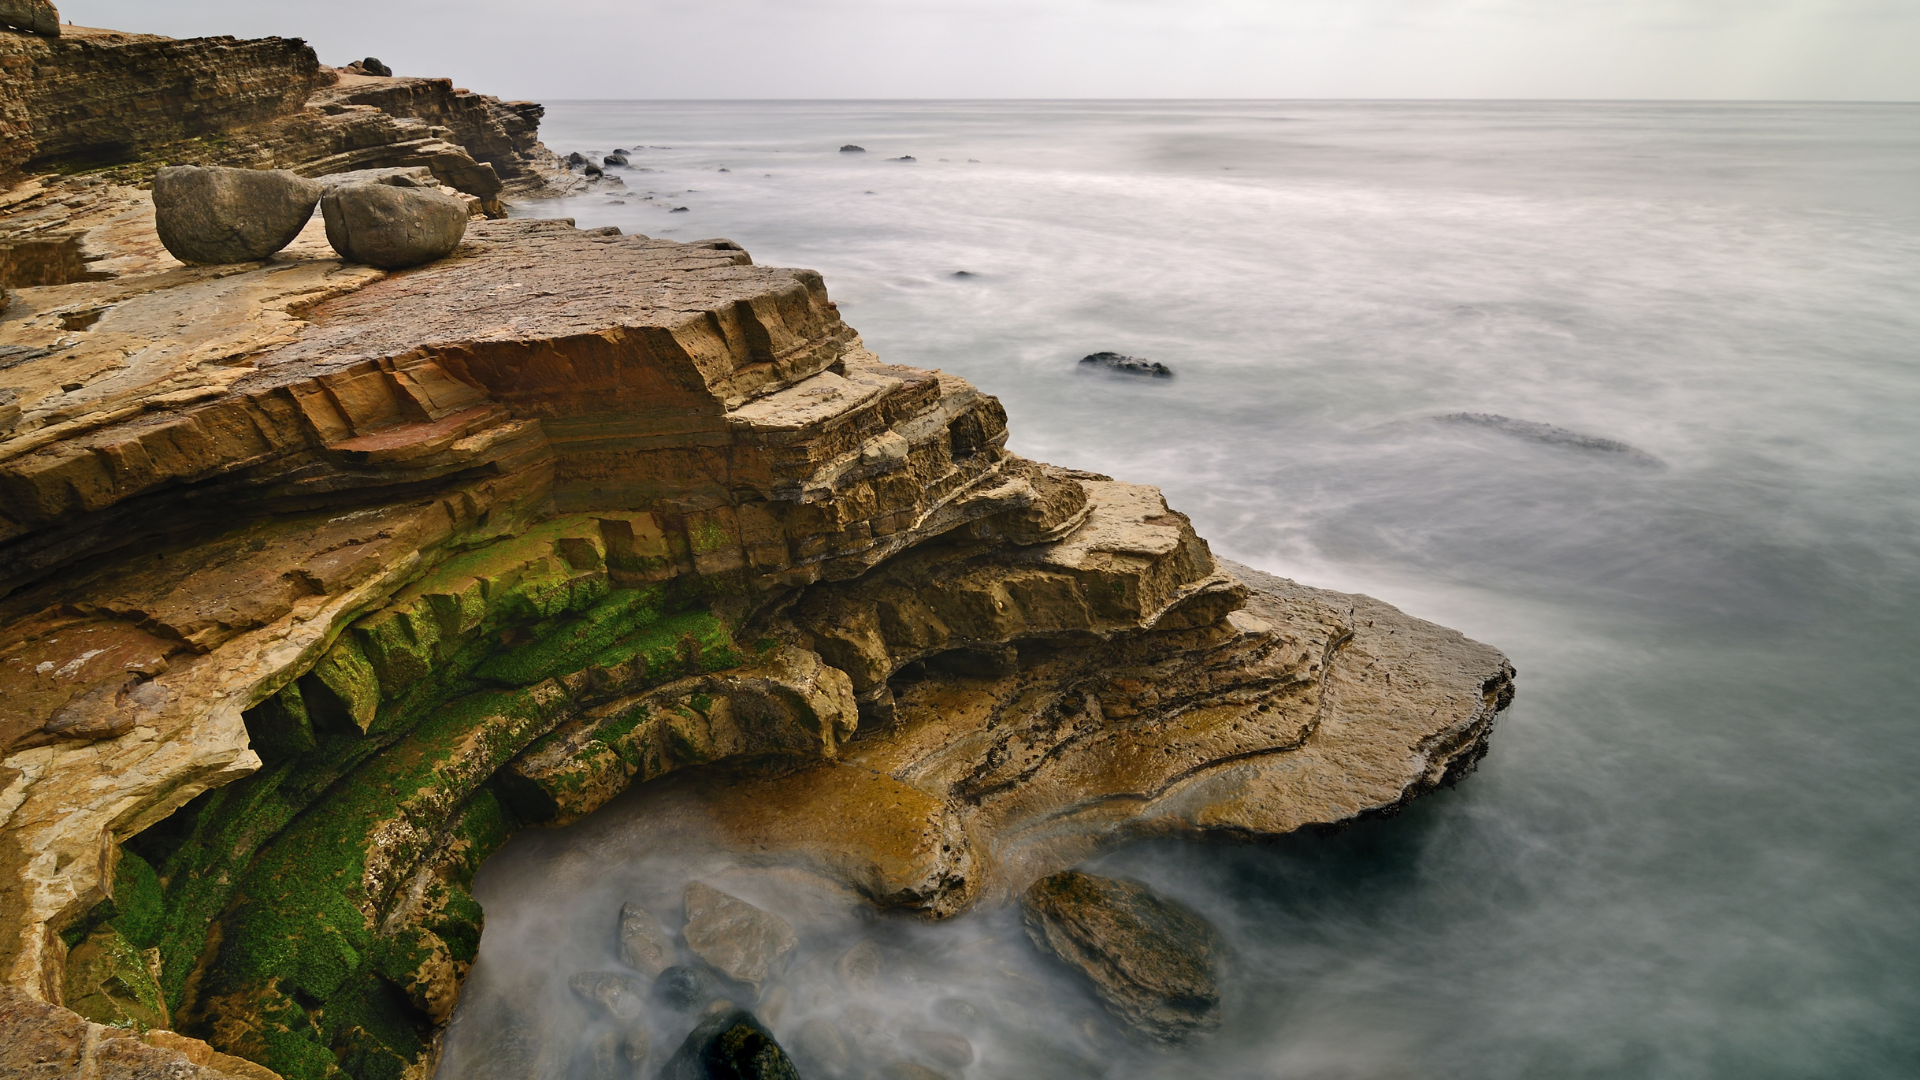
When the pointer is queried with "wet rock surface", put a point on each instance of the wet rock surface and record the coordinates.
(392, 227)
(643, 945)
(739, 940)
(731, 1045)
(215, 215)
(1151, 961)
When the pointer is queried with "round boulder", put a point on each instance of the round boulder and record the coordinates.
(217, 215)
(392, 227)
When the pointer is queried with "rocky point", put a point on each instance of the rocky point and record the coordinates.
(318, 581)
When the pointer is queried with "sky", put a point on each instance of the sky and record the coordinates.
(1862, 50)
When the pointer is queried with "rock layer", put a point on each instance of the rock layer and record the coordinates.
(316, 583)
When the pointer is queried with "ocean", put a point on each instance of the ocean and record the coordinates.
(1693, 851)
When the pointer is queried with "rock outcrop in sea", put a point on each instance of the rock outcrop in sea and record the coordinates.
(318, 582)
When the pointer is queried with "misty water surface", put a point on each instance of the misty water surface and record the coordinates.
(1693, 849)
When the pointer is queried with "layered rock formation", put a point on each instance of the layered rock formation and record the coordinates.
(316, 583)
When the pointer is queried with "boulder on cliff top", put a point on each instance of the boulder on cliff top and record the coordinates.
(730, 1046)
(739, 940)
(33, 16)
(1151, 961)
(392, 227)
(219, 215)
(370, 66)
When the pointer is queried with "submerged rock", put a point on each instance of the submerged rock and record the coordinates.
(852, 149)
(391, 227)
(859, 967)
(214, 216)
(731, 1045)
(684, 988)
(622, 997)
(941, 1047)
(1151, 961)
(1130, 365)
(643, 946)
(740, 941)
(1533, 431)
(819, 1044)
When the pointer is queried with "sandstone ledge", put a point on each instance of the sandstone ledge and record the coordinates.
(316, 583)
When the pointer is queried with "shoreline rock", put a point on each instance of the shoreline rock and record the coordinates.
(397, 565)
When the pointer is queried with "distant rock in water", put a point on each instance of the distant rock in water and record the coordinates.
(964, 274)
(1552, 436)
(618, 157)
(1131, 365)
(904, 157)
(1151, 961)
(678, 210)
(370, 66)
(577, 158)
(852, 149)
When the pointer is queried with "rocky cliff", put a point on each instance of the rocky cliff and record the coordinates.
(317, 583)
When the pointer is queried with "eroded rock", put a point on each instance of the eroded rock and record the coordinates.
(741, 941)
(1153, 963)
(1126, 365)
(219, 215)
(730, 1045)
(620, 997)
(392, 227)
(643, 945)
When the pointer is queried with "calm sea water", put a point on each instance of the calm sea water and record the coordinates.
(1694, 850)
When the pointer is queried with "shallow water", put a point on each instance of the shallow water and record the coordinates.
(1693, 850)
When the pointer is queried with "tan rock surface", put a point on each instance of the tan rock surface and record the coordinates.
(317, 582)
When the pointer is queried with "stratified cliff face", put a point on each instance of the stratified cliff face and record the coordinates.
(96, 98)
(317, 583)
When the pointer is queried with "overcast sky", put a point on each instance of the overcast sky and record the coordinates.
(556, 49)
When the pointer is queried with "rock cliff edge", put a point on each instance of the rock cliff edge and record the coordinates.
(318, 582)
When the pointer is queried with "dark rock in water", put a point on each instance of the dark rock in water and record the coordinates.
(593, 170)
(684, 988)
(1550, 435)
(964, 274)
(213, 216)
(678, 210)
(730, 1046)
(392, 227)
(576, 158)
(615, 158)
(1151, 961)
(726, 170)
(852, 149)
(643, 945)
(904, 157)
(1131, 365)
(621, 996)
